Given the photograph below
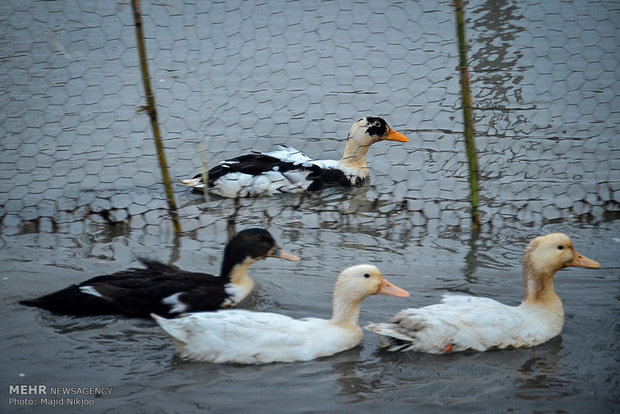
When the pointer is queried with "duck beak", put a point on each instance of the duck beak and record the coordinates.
(281, 254)
(396, 136)
(389, 289)
(582, 261)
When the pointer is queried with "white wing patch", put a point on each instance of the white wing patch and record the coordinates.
(289, 154)
(89, 290)
(176, 306)
(269, 183)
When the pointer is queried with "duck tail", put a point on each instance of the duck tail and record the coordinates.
(171, 327)
(195, 182)
(391, 337)
(72, 300)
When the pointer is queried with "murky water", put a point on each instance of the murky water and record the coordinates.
(576, 372)
(79, 186)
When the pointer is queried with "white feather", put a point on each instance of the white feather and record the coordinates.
(193, 182)
(289, 154)
(89, 290)
(176, 306)
(269, 183)
(248, 337)
(468, 322)
(236, 293)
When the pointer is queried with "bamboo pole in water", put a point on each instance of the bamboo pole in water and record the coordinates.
(470, 145)
(152, 111)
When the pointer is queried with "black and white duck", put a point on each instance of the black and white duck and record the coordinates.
(167, 290)
(288, 170)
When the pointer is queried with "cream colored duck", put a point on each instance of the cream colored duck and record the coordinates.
(248, 337)
(288, 170)
(463, 322)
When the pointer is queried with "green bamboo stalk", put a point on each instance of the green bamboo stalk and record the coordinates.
(152, 111)
(470, 145)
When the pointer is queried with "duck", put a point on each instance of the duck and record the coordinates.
(247, 337)
(165, 289)
(465, 322)
(288, 170)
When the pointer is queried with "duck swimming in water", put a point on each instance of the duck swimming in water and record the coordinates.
(165, 289)
(288, 170)
(247, 337)
(463, 322)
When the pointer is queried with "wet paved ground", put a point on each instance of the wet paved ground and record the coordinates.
(76, 156)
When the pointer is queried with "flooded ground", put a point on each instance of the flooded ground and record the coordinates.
(81, 196)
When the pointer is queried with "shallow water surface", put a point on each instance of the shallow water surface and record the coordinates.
(575, 372)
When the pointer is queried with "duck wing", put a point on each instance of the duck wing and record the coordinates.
(137, 292)
(283, 171)
(458, 323)
(325, 173)
(238, 336)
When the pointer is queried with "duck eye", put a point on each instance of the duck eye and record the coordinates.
(560, 247)
(366, 275)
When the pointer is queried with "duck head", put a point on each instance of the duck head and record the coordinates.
(353, 285)
(364, 280)
(544, 256)
(249, 246)
(362, 135)
(554, 252)
(371, 129)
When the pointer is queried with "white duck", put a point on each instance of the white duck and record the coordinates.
(462, 322)
(288, 170)
(248, 337)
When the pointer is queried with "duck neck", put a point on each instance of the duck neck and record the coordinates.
(538, 286)
(346, 312)
(355, 156)
(237, 273)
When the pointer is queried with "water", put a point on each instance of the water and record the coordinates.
(80, 193)
(576, 372)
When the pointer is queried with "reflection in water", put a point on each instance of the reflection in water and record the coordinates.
(331, 208)
(494, 56)
(471, 258)
(451, 380)
(540, 376)
(344, 365)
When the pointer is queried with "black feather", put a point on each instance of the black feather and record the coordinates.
(376, 126)
(329, 177)
(137, 292)
(255, 164)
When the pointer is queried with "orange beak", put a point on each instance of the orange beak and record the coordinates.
(281, 254)
(389, 289)
(395, 136)
(582, 261)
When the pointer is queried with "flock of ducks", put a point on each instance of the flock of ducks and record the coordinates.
(191, 306)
